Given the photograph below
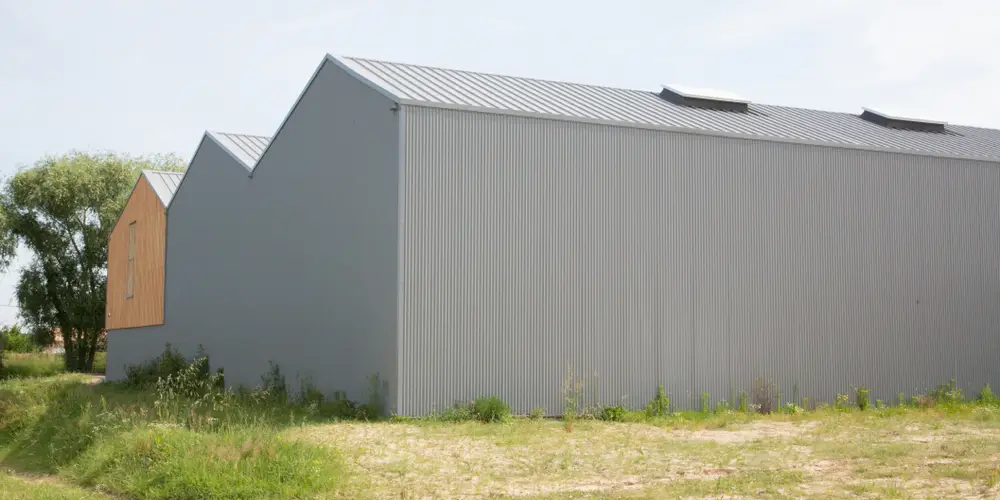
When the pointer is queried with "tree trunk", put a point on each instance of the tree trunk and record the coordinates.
(81, 352)
(69, 352)
(92, 351)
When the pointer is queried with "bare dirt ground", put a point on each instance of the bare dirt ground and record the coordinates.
(875, 454)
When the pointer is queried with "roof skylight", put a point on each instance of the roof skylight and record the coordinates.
(891, 120)
(704, 98)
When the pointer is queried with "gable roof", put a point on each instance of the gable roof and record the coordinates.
(456, 89)
(164, 184)
(247, 149)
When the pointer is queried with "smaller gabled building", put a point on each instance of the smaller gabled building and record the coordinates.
(136, 253)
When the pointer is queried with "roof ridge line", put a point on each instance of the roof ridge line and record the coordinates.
(499, 75)
(155, 171)
(238, 134)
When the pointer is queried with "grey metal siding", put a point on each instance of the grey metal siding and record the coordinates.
(296, 265)
(211, 192)
(639, 257)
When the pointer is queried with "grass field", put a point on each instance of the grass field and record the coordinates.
(23, 365)
(67, 436)
(897, 454)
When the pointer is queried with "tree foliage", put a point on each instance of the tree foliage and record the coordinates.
(62, 210)
(16, 340)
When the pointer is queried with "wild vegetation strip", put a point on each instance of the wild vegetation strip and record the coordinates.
(137, 442)
(173, 432)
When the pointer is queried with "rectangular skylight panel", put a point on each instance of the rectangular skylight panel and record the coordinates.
(705, 94)
(902, 118)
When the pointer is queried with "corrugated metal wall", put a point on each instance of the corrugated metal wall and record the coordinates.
(296, 266)
(639, 257)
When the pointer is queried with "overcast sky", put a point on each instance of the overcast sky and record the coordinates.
(152, 76)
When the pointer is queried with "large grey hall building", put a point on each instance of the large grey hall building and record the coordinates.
(465, 234)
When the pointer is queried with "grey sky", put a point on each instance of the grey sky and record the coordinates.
(150, 77)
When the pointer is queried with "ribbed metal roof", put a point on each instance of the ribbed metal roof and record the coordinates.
(246, 148)
(164, 184)
(422, 85)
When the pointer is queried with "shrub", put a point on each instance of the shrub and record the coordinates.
(843, 402)
(536, 413)
(378, 391)
(193, 381)
(902, 399)
(879, 404)
(805, 403)
(763, 395)
(490, 409)
(792, 409)
(273, 384)
(659, 406)
(743, 402)
(861, 398)
(948, 392)
(924, 401)
(339, 407)
(309, 394)
(572, 396)
(722, 407)
(704, 403)
(459, 412)
(613, 413)
(986, 395)
(146, 374)
(17, 340)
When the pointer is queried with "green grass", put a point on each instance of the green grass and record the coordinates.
(32, 365)
(165, 463)
(20, 488)
(66, 436)
(125, 441)
(27, 365)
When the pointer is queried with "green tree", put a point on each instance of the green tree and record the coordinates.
(16, 340)
(62, 211)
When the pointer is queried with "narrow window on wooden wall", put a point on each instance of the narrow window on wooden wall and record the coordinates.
(130, 270)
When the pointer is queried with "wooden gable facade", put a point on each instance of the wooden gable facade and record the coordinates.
(136, 253)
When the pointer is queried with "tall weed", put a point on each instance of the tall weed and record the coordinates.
(659, 406)
(178, 463)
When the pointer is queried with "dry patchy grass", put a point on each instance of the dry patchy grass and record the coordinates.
(884, 454)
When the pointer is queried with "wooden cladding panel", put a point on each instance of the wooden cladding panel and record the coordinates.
(145, 307)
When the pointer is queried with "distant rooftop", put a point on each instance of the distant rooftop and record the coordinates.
(164, 184)
(448, 88)
(246, 148)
